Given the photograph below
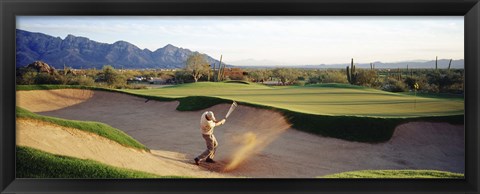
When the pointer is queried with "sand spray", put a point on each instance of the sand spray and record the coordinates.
(256, 133)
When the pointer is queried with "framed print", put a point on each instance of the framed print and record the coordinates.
(239, 97)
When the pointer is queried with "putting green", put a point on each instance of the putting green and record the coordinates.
(326, 99)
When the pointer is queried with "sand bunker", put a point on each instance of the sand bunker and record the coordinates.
(48, 100)
(76, 143)
(256, 142)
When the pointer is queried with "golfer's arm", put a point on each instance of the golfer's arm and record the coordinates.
(219, 123)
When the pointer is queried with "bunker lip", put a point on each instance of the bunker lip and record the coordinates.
(278, 151)
(71, 142)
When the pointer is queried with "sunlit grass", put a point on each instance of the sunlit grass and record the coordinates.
(396, 174)
(33, 163)
(100, 129)
(330, 99)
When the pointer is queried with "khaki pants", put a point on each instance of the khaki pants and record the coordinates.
(211, 147)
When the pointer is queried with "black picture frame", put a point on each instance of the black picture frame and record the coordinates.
(470, 9)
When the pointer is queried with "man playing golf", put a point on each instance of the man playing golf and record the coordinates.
(207, 124)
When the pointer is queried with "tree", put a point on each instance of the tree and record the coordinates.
(286, 75)
(197, 66)
(260, 75)
(112, 77)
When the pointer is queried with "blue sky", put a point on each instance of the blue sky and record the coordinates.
(255, 40)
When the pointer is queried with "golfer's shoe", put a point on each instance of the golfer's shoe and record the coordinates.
(209, 160)
(196, 161)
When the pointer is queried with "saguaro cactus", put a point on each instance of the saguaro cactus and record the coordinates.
(399, 74)
(219, 69)
(436, 63)
(449, 64)
(351, 74)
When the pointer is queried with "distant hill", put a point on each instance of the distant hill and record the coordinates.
(419, 64)
(81, 52)
(442, 64)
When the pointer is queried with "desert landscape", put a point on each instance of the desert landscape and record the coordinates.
(302, 97)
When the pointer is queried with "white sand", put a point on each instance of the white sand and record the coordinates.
(258, 142)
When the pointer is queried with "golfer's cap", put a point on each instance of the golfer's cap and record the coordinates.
(210, 115)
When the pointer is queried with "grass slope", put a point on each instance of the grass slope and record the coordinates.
(396, 174)
(33, 163)
(101, 129)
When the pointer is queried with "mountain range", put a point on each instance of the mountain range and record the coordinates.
(418, 64)
(81, 52)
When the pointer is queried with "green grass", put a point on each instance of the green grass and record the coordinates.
(33, 163)
(334, 110)
(92, 127)
(336, 85)
(396, 174)
(438, 95)
(320, 99)
(341, 111)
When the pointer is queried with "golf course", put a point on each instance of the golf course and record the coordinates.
(318, 130)
(320, 99)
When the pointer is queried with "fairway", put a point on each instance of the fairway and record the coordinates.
(323, 99)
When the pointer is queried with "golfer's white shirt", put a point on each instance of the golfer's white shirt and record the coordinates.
(206, 126)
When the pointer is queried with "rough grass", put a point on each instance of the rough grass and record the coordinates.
(33, 163)
(101, 129)
(397, 174)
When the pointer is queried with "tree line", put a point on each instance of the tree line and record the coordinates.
(198, 69)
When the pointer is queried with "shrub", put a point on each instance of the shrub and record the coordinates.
(286, 75)
(133, 86)
(82, 80)
(259, 75)
(45, 78)
(27, 78)
(429, 88)
(298, 83)
(183, 77)
(446, 81)
(367, 78)
(393, 85)
(113, 78)
(328, 77)
(410, 81)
